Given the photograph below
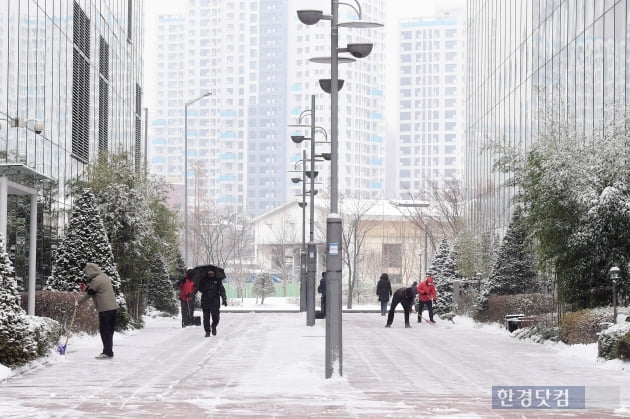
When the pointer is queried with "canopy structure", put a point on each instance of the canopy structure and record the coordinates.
(19, 179)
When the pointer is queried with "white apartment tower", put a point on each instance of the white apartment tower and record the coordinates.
(361, 130)
(431, 102)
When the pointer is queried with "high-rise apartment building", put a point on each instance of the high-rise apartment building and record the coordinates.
(524, 57)
(235, 137)
(431, 101)
(254, 58)
(70, 89)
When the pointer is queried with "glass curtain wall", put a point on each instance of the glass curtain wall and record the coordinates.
(524, 58)
(70, 89)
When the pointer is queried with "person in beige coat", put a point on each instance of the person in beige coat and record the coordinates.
(101, 291)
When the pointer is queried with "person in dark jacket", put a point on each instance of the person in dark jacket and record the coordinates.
(384, 291)
(212, 294)
(101, 291)
(322, 290)
(404, 296)
(187, 290)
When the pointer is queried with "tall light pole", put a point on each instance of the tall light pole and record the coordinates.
(186, 172)
(302, 205)
(333, 223)
(311, 255)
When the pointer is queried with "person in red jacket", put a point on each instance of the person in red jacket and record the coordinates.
(427, 295)
(187, 290)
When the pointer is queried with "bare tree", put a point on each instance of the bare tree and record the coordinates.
(354, 231)
(224, 238)
(445, 215)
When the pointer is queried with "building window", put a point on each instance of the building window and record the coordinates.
(80, 85)
(392, 255)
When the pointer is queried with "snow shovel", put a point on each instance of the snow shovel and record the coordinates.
(62, 348)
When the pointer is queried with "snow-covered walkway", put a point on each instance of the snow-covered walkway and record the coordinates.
(272, 365)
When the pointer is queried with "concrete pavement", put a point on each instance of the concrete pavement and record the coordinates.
(264, 365)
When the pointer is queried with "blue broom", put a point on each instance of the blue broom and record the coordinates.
(62, 348)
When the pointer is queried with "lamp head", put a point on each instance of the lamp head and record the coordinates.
(302, 204)
(297, 139)
(38, 127)
(309, 17)
(295, 179)
(326, 84)
(312, 174)
(327, 156)
(360, 50)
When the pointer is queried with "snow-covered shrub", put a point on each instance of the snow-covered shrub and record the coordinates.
(46, 331)
(614, 342)
(17, 343)
(583, 326)
(539, 333)
(58, 306)
(498, 306)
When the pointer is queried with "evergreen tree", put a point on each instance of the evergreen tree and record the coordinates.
(443, 270)
(17, 343)
(263, 286)
(161, 292)
(86, 241)
(514, 270)
(439, 259)
(137, 221)
(565, 180)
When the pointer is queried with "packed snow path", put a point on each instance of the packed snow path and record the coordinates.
(272, 365)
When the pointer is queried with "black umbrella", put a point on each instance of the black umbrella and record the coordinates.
(199, 272)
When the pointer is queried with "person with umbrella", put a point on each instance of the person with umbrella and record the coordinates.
(212, 295)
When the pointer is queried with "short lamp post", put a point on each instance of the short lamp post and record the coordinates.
(186, 262)
(478, 278)
(614, 276)
(333, 223)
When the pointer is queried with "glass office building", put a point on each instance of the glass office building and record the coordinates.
(525, 56)
(70, 89)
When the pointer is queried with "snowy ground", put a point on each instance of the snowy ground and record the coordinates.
(272, 365)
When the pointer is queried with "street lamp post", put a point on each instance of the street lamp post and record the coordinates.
(333, 223)
(311, 249)
(311, 256)
(302, 205)
(186, 173)
(614, 276)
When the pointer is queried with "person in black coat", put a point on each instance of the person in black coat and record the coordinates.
(212, 294)
(322, 290)
(404, 296)
(384, 291)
